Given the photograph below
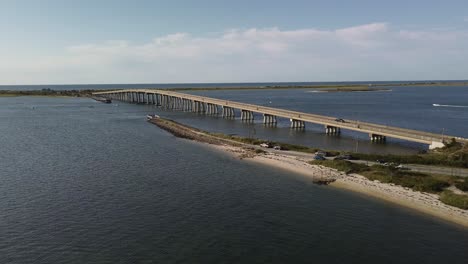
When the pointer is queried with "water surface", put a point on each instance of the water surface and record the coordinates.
(86, 182)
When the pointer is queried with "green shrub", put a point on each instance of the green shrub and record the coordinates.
(463, 185)
(457, 200)
(455, 159)
(342, 165)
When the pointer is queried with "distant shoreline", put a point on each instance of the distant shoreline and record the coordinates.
(371, 87)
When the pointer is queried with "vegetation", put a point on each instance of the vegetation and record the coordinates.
(454, 154)
(416, 181)
(260, 151)
(325, 87)
(342, 165)
(462, 185)
(284, 146)
(47, 92)
(457, 200)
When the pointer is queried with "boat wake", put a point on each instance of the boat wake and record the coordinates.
(442, 105)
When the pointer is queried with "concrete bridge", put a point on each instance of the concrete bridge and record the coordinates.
(211, 106)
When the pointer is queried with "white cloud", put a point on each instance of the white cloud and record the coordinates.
(367, 52)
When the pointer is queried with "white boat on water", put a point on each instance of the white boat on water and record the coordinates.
(150, 117)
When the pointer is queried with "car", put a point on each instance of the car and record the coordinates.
(321, 153)
(341, 120)
(264, 145)
(344, 157)
(319, 157)
(277, 147)
(381, 161)
(401, 167)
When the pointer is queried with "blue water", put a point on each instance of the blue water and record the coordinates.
(86, 182)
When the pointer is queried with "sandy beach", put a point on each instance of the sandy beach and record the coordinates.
(297, 162)
(422, 202)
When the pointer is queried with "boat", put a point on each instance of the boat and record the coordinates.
(151, 117)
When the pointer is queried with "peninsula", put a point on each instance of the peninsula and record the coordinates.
(442, 196)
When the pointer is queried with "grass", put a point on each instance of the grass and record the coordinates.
(414, 180)
(417, 181)
(46, 92)
(284, 146)
(462, 185)
(453, 155)
(457, 200)
(342, 165)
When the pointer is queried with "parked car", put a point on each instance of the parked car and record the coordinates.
(319, 157)
(321, 153)
(277, 147)
(264, 145)
(401, 167)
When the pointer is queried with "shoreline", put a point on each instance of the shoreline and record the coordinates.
(426, 203)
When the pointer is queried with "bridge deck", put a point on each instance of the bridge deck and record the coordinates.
(355, 125)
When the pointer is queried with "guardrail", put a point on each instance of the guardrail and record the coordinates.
(355, 125)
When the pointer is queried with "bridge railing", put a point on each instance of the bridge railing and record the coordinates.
(308, 117)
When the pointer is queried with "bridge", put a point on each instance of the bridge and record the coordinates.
(212, 106)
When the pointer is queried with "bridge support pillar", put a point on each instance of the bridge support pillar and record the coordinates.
(228, 112)
(247, 115)
(297, 123)
(211, 109)
(269, 119)
(188, 105)
(377, 138)
(198, 107)
(331, 130)
(177, 103)
(158, 99)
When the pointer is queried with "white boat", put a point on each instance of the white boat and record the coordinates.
(150, 117)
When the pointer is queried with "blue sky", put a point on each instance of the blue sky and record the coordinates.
(231, 41)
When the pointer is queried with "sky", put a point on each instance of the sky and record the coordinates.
(143, 41)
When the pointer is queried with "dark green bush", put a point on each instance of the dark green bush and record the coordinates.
(463, 185)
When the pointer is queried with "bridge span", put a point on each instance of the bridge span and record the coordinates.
(212, 106)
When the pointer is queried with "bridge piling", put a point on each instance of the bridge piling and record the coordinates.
(297, 123)
(195, 103)
(269, 119)
(228, 112)
(377, 138)
(332, 130)
(247, 115)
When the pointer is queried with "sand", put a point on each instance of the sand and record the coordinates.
(422, 202)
